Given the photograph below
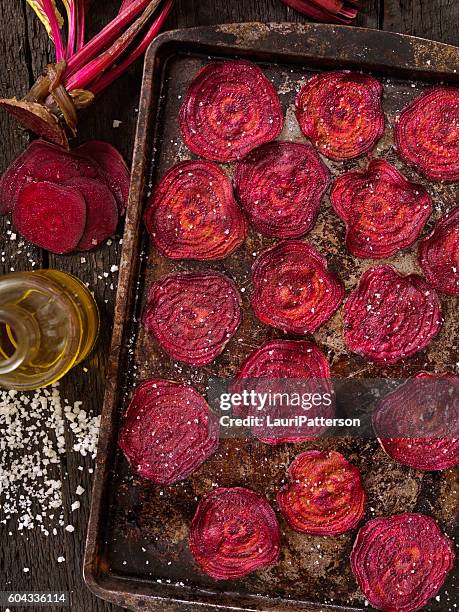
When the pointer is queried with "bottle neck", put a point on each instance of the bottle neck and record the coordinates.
(18, 334)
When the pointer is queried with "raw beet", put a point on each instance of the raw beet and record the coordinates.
(280, 185)
(230, 108)
(233, 533)
(427, 134)
(193, 315)
(439, 254)
(325, 495)
(101, 212)
(418, 423)
(285, 366)
(390, 316)
(341, 113)
(382, 210)
(38, 119)
(192, 213)
(51, 216)
(292, 288)
(401, 561)
(329, 11)
(168, 431)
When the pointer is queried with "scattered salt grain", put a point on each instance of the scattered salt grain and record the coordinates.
(60, 559)
(79, 490)
(116, 123)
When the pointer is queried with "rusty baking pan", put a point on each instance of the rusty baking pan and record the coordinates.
(137, 554)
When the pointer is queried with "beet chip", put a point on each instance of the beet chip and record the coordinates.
(233, 533)
(230, 109)
(439, 254)
(418, 423)
(401, 561)
(280, 186)
(292, 288)
(168, 431)
(325, 495)
(192, 213)
(193, 315)
(427, 134)
(341, 113)
(383, 212)
(390, 316)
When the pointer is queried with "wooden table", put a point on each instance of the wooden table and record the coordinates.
(24, 51)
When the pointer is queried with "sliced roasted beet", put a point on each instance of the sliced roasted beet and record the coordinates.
(390, 316)
(341, 113)
(280, 185)
(439, 254)
(382, 210)
(292, 288)
(296, 367)
(427, 134)
(102, 212)
(328, 11)
(193, 315)
(401, 561)
(233, 533)
(51, 216)
(230, 109)
(168, 431)
(325, 495)
(192, 213)
(418, 423)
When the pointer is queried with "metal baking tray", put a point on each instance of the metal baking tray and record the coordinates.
(137, 554)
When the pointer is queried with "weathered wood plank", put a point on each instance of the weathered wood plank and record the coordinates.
(435, 19)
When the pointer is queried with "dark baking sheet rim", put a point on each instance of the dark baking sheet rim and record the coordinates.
(310, 44)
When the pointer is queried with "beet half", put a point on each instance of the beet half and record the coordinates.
(233, 533)
(401, 561)
(280, 186)
(230, 108)
(390, 316)
(341, 113)
(168, 431)
(192, 213)
(382, 210)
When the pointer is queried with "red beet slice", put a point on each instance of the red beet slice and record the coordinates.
(390, 316)
(280, 186)
(439, 254)
(427, 134)
(51, 216)
(418, 423)
(193, 315)
(329, 11)
(101, 209)
(233, 533)
(341, 113)
(292, 288)
(168, 431)
(192, 213)
(401, 561)
(230, 109)
(325, 495)
(286, 366)
(382, 210)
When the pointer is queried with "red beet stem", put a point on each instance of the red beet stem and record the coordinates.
(49, 10)
(72, 24)
(81, 8)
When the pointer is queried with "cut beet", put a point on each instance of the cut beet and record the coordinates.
(230, 109)
(192, 213)
(401, 561)
(391, 316)
(383, 212)
(325, 495)
(233, 533)
(418, 423)
(280, 186)
(292, 288)
(427, 134)
(101, 209)
(296, 367)
(168, 431)
(341, 113)
(439, 254)
(193, 315)
(37, 118)
(51, 216)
